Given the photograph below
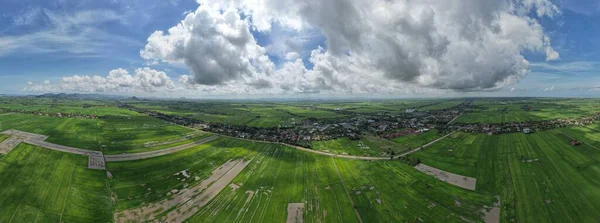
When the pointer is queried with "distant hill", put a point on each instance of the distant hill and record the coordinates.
(79, 96)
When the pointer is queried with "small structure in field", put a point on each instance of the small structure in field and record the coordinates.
(527, 130)
(575, 142)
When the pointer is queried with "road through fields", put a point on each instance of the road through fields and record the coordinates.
(162, 152)
(38, 140)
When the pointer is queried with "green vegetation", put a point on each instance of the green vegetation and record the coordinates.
(147, 181)
(346, 146)
(3, 137)
(418, 139)
(111, 134)
(41, 185)
(539, 177)
(366, 146)
(280, 175)
(521, 110)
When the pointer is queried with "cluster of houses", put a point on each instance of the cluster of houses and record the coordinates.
(384, 124)
(50, 114)
(527, 127)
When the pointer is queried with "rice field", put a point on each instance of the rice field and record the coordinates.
(347, 146)
(110, 134)
(332, 189)
(415, 140)
(40, 185)
(539, 177)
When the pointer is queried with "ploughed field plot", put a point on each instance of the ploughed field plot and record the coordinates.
(41, 185)
(539, 177)
(111, 134)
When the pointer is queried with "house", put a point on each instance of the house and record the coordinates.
(526, 130)
(410, 110)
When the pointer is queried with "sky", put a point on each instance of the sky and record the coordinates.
(309, 48)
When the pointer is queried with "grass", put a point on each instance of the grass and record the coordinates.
(347, 146)
(40, 185)
(412, 141)
(280, 175)
(111, 134)
(490, 110)
(147, 181)
(539, 177)
(3, 137)
(366, 146)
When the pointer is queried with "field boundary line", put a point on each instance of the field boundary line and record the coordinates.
(10, 113)
(113, 158)
(68, 192)
(573, 138)
(157, 153)
(346, 190)
(424, 146)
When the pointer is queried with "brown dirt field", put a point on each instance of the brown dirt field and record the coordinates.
(7, 145)
(187, 201)
(295, 212)
(451, 178)
(493, 215)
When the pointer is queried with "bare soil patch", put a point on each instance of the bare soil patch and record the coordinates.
(187, 201)
(96, 161)
(7, 145)
(295, 212)
(451, 178)
(25, 135)
(492, 215)
(234, 186)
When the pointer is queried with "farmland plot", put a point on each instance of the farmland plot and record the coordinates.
(40, 185)
(113, 134)
(539, 177)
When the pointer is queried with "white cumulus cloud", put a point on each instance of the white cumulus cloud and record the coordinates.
(117, 81)
(463, 45)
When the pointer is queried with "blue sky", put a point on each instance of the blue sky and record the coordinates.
(47, 40)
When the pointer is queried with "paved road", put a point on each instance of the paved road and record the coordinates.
(62, 148)
(451, 121)
(423, 146)
(38, 140)
(162, 152)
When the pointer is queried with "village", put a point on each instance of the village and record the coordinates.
(383, 124)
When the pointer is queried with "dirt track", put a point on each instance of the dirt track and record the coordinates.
(187, 201)
(151, 154)
(347, 156)
(451, 178)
